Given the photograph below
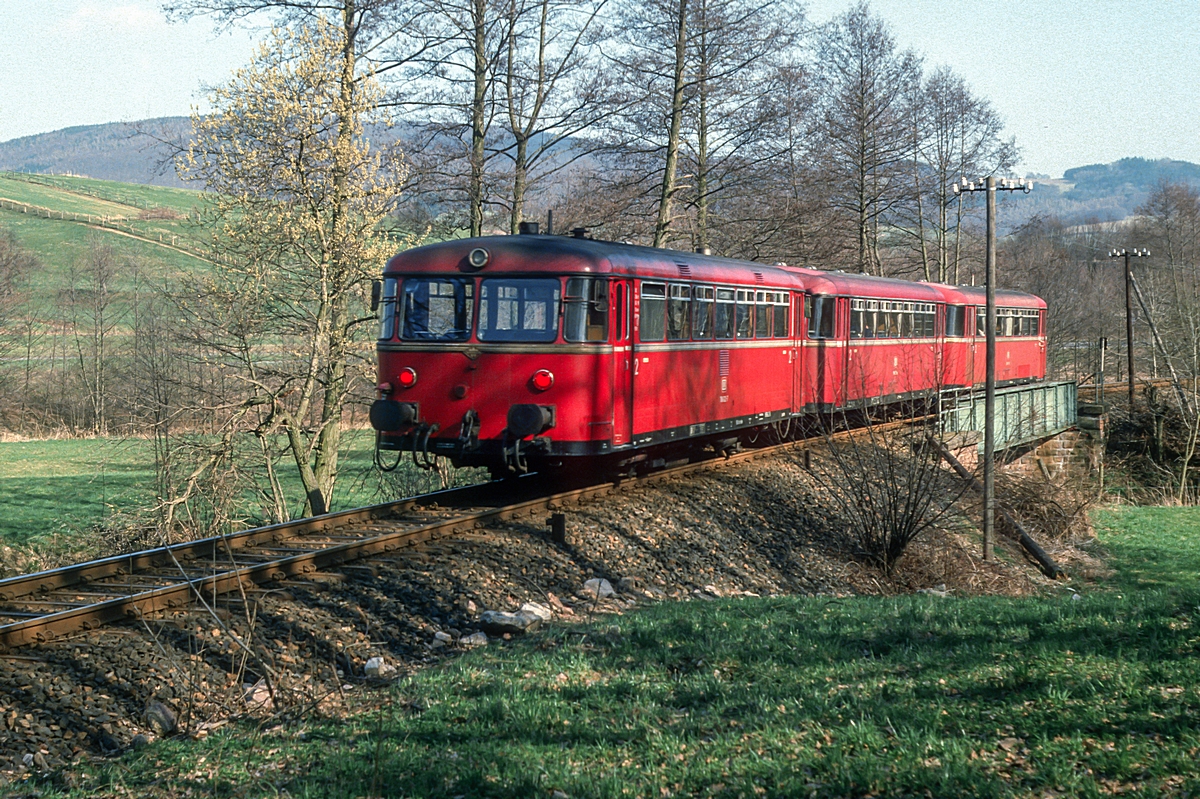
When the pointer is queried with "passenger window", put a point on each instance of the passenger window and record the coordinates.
(745, 313)
(862, 318)
(725, 313)
(678, 319)
(762, 320)
(782, 306)
(585, 317)
(981, 321)
(702, 321)
(653, 322)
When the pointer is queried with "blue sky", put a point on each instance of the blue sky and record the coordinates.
(1077, 81)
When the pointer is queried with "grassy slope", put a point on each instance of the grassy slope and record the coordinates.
(62, 244)
(911, 696)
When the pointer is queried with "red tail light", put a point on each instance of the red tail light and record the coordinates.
(407, 377)
(543, 379)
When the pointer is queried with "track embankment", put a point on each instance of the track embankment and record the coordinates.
(300, 643)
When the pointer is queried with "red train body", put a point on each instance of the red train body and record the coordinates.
(518, 352)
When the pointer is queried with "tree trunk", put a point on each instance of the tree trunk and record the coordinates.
(478, 103)
(702, 242)
(663, 225)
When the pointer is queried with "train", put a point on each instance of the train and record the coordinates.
(534, 352)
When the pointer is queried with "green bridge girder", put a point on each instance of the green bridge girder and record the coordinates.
(1024, 414)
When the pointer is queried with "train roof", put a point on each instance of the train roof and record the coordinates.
(568, 254)
(977, 295)
(572, 255)
(858, 285)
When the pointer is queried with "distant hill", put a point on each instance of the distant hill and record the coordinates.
(129, 152)
(1100, 192)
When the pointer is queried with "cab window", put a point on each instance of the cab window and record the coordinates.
(436, 309)
(822, 316)
(387, 309)
(519, 309)
(955, 316)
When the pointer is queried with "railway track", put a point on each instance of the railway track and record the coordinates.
(53, 604)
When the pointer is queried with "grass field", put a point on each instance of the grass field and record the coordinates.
(61, 245)
(52, 489)
(910, 696)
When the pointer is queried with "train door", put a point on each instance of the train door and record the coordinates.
(622, 363)
(798, 353)
(977, 348)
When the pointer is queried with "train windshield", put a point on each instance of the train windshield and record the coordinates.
(436, 309)
(519, 309)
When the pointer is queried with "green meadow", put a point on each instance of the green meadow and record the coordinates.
(51, 490)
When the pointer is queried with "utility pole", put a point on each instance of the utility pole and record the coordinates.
(1127, 254)
(990, 186)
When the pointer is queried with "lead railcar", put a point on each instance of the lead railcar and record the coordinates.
(512, 350)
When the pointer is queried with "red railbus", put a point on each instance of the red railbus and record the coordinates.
(525, 352)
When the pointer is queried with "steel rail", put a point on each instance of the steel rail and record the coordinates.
(215, 546)
(50, 626)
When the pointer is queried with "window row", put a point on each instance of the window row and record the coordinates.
(529, 310)
(1010, 322)
(510, 309)
(682, 312)
(892, 319)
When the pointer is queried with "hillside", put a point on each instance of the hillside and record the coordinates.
(1101, 192)
(123, 151)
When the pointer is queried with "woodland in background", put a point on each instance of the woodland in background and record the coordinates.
(732, 126)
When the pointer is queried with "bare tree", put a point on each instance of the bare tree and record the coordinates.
(953, 134)
(553, 90)
(865, 136)
(16, 318)
(738, 53)
(886, 487)
(95, 313)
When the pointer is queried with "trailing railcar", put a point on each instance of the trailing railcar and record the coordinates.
(522, 352)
